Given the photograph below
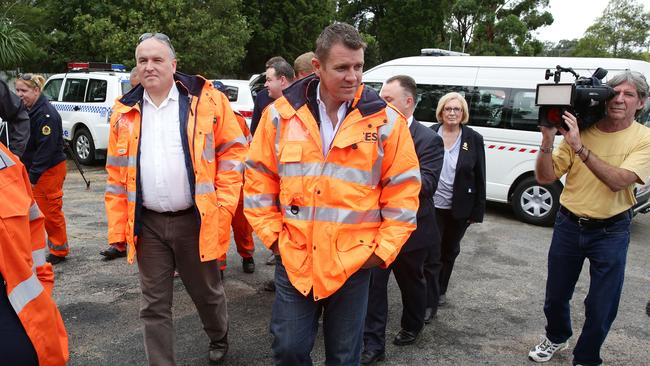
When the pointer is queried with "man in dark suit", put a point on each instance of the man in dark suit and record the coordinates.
(408, 268)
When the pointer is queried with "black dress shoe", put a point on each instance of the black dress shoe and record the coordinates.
(372, 357)
(248, 264)
(428, 315)
(112, 253)
(442, 300)
(218, 351)
(54, 259)
(405, 337)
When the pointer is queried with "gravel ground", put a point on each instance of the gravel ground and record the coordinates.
(494, 312)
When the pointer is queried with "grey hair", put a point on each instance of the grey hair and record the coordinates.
(633, 77)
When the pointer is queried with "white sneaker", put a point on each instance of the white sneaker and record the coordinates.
(545, 350)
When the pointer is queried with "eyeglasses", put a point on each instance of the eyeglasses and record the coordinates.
(159, 36)
(26, 77)
(453, 109)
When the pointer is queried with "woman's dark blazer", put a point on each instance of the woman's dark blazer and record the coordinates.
(468, 200)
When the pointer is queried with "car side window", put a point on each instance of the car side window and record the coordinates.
(74, 90)
(232, 92)
(487, 106)
(52, 88)
(96, 91)
(428, 97)
(524, 111)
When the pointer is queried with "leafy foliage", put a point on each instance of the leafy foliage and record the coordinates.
(14, 45)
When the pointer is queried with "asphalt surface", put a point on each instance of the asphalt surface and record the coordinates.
(493, 316)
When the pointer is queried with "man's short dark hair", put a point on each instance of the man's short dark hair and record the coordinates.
(273, 60)
(338, 33)
(405, 82)
(282, 68)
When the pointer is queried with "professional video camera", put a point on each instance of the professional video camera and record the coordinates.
(585, 98)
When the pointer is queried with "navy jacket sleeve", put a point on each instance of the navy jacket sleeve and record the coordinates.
(13, 111)
(48, 133)
(261, 101)
(479, 172)
(431, 155)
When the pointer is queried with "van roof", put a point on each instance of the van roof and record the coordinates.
(521, 62)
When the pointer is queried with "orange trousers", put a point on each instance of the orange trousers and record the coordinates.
(243, 233)
(48, 194)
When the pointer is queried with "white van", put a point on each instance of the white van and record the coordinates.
(85, 99)
(500, 92)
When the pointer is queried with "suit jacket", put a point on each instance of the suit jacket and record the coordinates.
(430, 150)
(468, 200)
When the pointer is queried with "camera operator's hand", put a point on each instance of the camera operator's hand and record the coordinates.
(571, 136)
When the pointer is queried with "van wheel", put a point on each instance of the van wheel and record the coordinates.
(535, 203)
(83, 146)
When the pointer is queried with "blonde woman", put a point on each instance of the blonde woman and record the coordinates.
(460, 196)
(44, 160)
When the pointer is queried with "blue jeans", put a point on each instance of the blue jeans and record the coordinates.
(606, 249)
(294, 322)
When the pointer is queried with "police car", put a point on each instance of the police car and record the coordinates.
(84, 98)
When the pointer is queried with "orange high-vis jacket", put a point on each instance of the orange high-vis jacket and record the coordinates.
(331, 213)
(213, 145)
(29, 278)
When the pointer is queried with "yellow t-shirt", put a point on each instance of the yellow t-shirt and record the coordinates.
(584, 194)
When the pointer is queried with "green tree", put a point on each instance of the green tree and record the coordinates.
(209, 36)
(500, 27)
(621, 31)
(14, 45)
(401, 27)
(286, 28)
(563, 48)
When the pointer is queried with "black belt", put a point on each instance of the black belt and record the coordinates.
(170, 213)
(587, 221)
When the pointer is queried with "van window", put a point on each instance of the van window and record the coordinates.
(644, 116)
(96, 91)
(232, 92)
(486, 106)
(75, 90)
(428, 97)
(524, 111)
(52, 89)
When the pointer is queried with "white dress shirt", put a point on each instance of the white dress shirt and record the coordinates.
(327, 129)
(409, 121)
(164, 178)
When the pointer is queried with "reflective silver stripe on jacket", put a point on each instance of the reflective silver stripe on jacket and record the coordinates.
(34, 212)
(208, 149)
(131, 196)
(275, 119)
(25, 292)
(241, 140)
(227, 165)
(328, 169)
(329, 214)
(261, 201)
(6, 161)
(203, 188)
(118, 161)
(260, 167)
(384, 131)
(399, 214)
(115, 189)
(410, 175)
(38, 258)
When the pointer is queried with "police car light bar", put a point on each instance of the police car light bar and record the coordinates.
(95, 66)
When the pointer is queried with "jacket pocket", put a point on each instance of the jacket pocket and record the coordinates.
(294, 254)
(354, 246)
(291, 174)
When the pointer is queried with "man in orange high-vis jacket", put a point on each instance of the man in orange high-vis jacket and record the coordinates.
(174, 164)
(331, 185)
(242, 230)
(32, 328)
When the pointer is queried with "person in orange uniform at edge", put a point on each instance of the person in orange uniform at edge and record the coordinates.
(31, 328)
(331, 185)
(242, 230)
(45, 162)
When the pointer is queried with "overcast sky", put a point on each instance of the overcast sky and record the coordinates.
(573, 17)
